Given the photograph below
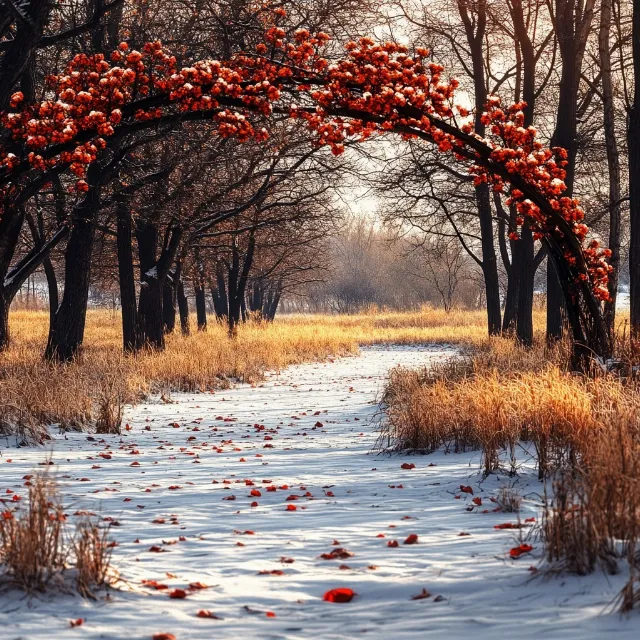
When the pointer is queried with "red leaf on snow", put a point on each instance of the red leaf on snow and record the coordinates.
(163, 636)
(507, 525)
(392, 543)
(205, 613)
(270, 614)
(154, 584)
(341, 595)
(291, 507)
(337, 554)
(198, 585)
(477, 501)
(516, 552)
(273, 572)
(178, 594)
(422, 595)
(76, 623)
(407, 465)
(412, 538)
(466, 489)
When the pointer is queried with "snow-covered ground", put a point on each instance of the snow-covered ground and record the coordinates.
(180, 484)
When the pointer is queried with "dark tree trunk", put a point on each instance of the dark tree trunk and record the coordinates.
(221, 299)
(613, 162)
(4, 321)
(555, 304)
(169, 306)
(150, 314)
(183, 306)
(66, 332)
(572, 28)
(524, 323)
(474, 19)
(150, 331)
(126, 278)
(11, 221)
(633, 140)
(201, 306)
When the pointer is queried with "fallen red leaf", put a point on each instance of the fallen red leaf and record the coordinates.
(412, 538)
(422, 595)
(178, 594)
(198, 585)
(341, 595)
(76, 623)
(516, 552)
(205, 613)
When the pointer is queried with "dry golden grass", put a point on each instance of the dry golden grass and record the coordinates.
(36, 549)
(585, 432)
(92, 389)
(32, 548)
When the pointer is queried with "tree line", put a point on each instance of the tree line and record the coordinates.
(235, 215)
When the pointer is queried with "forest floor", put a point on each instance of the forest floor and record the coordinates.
(178, 488)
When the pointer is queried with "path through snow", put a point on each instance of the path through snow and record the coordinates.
(183, 480)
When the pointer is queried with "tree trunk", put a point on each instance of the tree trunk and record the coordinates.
(168, 306)
(555, 304)
(474, 18)
(221, 301)
(633, 140)
(201, 306)
(126, 277)
(183, 306)
(572, 29)
(151, 328)
(524, 322)
(4, 321)
(613, 163)
(66, 332)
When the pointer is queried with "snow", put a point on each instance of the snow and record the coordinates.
(483, 593)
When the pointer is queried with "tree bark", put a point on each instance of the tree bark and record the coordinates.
(475, 26)
(633, 140)
(572, 28)
(66, 332)
(613, 162)
(201, 305)
(169, 306)
(150, 326)
(183, 306)
(126, 277)
(4, 321)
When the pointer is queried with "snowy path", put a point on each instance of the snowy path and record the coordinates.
(181, 481)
